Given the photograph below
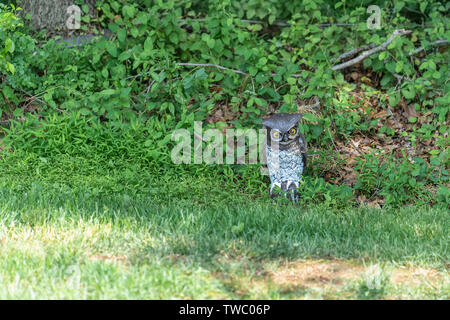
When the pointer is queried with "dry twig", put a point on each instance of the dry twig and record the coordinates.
(365, 54)
(435, 43)
(212, 66)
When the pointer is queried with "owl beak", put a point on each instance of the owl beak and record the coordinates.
(285, 137)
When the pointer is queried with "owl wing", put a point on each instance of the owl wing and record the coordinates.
(303, 148)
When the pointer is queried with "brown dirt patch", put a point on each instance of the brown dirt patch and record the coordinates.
(109, 258)
(315, 273)
(320, 273)
(415, 276)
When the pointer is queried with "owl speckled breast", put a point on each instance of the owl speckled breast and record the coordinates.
(285, 153)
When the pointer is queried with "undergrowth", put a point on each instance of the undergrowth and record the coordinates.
(103, 112)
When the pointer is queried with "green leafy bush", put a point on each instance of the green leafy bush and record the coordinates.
(282, 61)
(8, 23)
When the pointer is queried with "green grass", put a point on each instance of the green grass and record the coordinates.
(93, 224)
(71, 243)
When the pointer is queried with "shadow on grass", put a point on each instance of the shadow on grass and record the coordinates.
(259, 230)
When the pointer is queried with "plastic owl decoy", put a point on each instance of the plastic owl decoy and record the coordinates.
(285, 153)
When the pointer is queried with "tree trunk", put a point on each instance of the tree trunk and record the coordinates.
(51, 14)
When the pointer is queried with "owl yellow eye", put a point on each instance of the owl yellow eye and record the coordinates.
(276, 135)
(292, 131)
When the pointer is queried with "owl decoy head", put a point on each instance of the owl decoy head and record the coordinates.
(282, 128)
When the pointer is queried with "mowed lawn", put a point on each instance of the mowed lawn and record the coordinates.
(66, 244)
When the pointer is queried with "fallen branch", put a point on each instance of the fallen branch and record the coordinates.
(353, 52)
(435, 43)
(209, 65)
(137, 75)
(212, 66)
(152, 83)
(325, 25)
(35, 97)
(32, 97)
(365, 54)
(277, 23)
(400, 78)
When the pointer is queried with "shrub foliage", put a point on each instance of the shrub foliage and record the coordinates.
(378, 128)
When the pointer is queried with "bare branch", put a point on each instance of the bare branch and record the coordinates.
(137, 75)
(325, 25)
(281, 24)
(35, 97)
(365, 54)
(209, 65)
(152, 83)
(212, 66)
(400, 78)
(352, 52)
(275, 23)
(435, 43)
(32, 97)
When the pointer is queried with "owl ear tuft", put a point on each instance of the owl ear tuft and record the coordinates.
(299, 116)
(282, 121)
(266, 122)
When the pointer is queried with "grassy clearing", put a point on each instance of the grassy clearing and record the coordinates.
(77, 245)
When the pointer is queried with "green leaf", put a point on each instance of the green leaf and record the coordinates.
(85, 111)
(262, 61)
(9, 45)
(250, 13)
(252, 70)
(399, 5)
(128, 11)
(142, 18)
(125, 92)
(310, 117)
(211, 42)
(173, 38)
(10, 68)
(383, 55)
(134, 32)
(148, 45)
(423, 5)
(112, 49)
(409, 93)
(105, 73)
(394, 99)
(272, 19)
(122, 35)
(125, 55)
(108, 92)
(436, 75)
